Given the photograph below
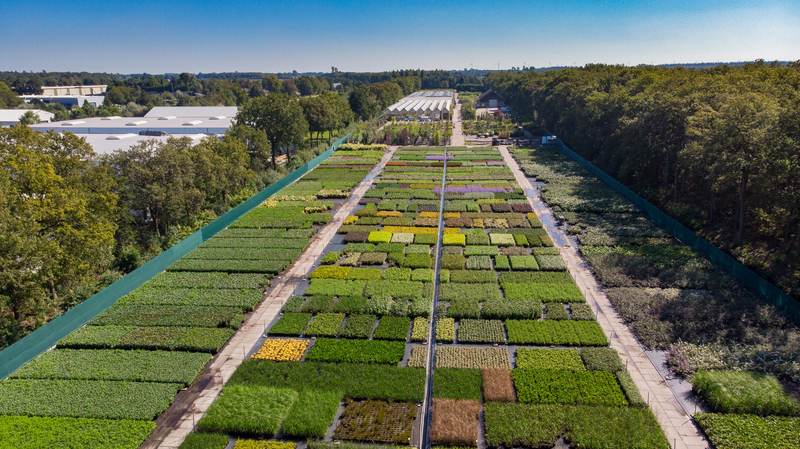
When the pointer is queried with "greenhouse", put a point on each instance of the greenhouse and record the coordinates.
(429, 104)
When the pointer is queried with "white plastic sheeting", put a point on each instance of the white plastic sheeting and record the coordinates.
(430, 103)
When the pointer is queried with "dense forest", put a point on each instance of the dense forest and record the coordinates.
(718, 148)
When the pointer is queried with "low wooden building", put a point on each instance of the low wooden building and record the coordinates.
(490, 99)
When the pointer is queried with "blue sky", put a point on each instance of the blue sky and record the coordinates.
(215, 36)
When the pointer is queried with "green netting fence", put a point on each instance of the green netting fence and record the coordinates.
(726, 263)
(26, 349)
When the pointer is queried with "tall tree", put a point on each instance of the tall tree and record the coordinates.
(363, 103)
(57, 210)
(280, 117)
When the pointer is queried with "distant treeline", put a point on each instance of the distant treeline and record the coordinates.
(718, 149)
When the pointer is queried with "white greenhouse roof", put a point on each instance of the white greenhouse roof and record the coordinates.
(13, 115)
(133, 125)
(109, 143)
(432, 103)
(193, 111)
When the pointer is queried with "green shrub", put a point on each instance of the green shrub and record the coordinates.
(481, 251)
(515, 309)
(150, 315)
(478, 239)
(453, 261)
(327, 272)
(744, 392)
(502, 239)
(481, 331)
(293, 304)
(379, 305)
(207, 280)
(44, 432)
(354, 380)
(516, 277)
(356, 351)
(290, 324)
(358, 326)
(417, 261)
(560, 293)
(358, 248)
(365, 273)
(396, 274)
(396, 289)
(372, 258)
(248, 409)
(556, 312)
(456, 383)
(420, 307)
(549, 359)
(419, 331)
(418, 249)
(479, 263)
(568, 387)
(312, 413)
(379, 237)
(423, 275)
(195, 339)
(425, 239)
(513, 424)
(477, 292)
(464, 308)
(115, 364)
(86, 398)
(445, 330)
(335, 287)
(317, 304)
(501, 263)
(392, 328)
(568, 333)
(390, 247)
(474, 277)
(601, 359)
(551, 263)
(325, 324)
(246, 299)
(350, 304)
(581, 312)
(403, 238)
(523, 263)
(729, 431)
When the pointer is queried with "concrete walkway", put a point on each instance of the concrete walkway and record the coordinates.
(676, 422)
(172, 431)
(458, 136)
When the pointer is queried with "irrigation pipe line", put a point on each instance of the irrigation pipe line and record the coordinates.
(427, 403)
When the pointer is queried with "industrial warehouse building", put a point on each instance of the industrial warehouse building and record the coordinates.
(108, 134)
(10, 117)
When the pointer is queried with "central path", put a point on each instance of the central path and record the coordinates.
(183, 415)
(458, 136)
(676, 422)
